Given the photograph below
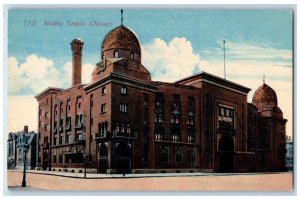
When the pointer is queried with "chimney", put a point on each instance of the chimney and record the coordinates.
(25, 129)
(76, 46)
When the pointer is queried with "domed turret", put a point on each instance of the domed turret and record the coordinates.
(121, 42)
(265, 95)
(265, 99)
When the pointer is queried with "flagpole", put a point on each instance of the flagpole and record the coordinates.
(224, 60)
(121, 16)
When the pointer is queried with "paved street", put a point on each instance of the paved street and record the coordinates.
(183, 182)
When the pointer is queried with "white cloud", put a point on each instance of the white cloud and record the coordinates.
(32, 76)
(38, 73)
(22, 110)
(245, 64)
(170, 61)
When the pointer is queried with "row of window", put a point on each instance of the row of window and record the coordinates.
(68, 139)
(175, 119)
(178, 158)
(226, 118)
(175, 137)
(117, 55)
(123, 128)
(68, 159)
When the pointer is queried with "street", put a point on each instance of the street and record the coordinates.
(207, 182)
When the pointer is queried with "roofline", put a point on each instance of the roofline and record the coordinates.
(48, 89)
(203, 75)
(174, 84)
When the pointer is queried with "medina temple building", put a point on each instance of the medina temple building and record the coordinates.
(123, 122)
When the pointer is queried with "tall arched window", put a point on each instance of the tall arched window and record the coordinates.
(131, 55)
(192, 158)
(164, 155)
(128, 130)
(116, 54)
(178, 156)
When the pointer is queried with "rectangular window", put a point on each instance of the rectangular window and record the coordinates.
(123, 108)
(69, 139)
(45, 139)
(55, 109)
(78, 120)
(226, 119)
(60, 158)
(61, 139)
(68, 120)
(55, 139)
(103, 90)
(68, 105)
(103, 108)
(54, 159)
(123, 90)
(61, 122)
(92, 101)
(79, 137)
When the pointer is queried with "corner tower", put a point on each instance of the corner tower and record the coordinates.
(121, 42)
(121, 54)
(271, 131)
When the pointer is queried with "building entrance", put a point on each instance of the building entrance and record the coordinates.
(226, 154)
(103, 161)
(123, 158)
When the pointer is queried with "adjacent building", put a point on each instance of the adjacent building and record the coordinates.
(15, 150)
(289, 154)
(123, 122)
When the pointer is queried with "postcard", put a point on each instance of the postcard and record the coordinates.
(150, 99)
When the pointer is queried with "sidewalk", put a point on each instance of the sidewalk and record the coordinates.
(109, 176)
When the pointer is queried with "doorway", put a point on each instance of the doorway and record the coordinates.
(123, 158)
(103, 162)
(226, 154)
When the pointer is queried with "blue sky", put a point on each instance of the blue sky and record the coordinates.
(205, 29)
(175, 43)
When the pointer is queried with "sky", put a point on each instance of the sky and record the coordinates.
(175, 44)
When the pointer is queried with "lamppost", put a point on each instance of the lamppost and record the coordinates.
(25, 149)
(84, 160)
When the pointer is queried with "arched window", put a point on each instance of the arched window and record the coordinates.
(164, 155)
(116, 54)
(105, 127)
(128, 129)
(122, 128)
(99, 127)
(192, 158)
(178, 156)
(117, 127)
(131, 55)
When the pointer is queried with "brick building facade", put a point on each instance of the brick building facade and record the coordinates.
(123, 122)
